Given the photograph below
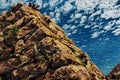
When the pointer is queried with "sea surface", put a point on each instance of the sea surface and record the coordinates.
(94, 25)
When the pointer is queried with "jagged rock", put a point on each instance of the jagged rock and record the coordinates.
(33, 47)
(115, 73)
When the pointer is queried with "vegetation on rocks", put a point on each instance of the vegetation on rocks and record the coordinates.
(33, 47)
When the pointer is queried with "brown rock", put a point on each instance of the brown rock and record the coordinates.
(35, 48)
(71, 72)
(10, 16)
(19, 47)
(115, 73)
(6, 66)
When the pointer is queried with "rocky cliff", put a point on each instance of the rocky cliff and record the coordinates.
(33, 47)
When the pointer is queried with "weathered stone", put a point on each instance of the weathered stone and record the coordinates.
(71, 72)
(36, 48)
(19, 47)
(7, 66)
(10, 16)
(30, 71)
(114, 74)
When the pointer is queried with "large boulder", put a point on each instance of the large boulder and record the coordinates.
(33, 47)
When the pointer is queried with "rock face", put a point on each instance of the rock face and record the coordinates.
(32, 47)
(115, 73)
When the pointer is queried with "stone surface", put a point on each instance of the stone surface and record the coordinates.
(115, 73)
(33, 47)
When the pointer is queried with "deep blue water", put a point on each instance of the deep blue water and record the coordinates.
(94, 25)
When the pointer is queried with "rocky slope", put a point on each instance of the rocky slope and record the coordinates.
(115, 73)
(32, 47)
